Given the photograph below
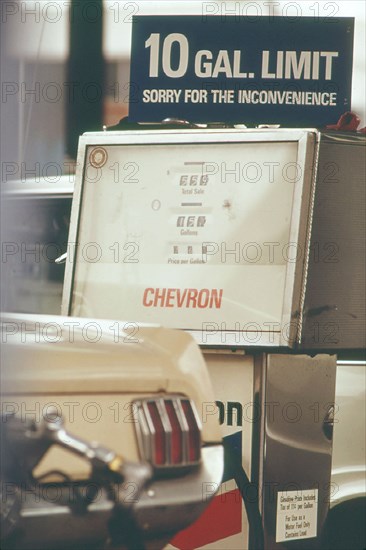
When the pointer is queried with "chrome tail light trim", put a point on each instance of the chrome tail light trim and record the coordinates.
(147, 434)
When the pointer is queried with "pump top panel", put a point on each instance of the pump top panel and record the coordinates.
(205, 230)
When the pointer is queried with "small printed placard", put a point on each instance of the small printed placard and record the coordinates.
(297, 513)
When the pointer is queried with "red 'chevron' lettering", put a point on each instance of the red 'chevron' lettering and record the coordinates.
(183, 298)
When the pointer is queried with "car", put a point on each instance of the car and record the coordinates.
(35, 217)
(141, 392)
(345, 526)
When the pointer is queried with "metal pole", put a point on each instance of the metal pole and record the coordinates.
(85, 72)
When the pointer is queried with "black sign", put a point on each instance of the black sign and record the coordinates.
(254, 70)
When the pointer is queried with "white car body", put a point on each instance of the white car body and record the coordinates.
(349, 451)
(91, 373)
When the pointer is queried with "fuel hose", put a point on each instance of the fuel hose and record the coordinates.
(233, 463)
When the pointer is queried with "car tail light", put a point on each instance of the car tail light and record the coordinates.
(168, 431)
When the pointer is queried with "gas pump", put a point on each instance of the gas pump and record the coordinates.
(208, 230)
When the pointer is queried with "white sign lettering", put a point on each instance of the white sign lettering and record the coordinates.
(307, 65)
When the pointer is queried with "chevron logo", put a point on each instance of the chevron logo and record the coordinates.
(221, 519)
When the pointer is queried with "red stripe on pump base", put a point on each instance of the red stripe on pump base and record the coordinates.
(221, 519)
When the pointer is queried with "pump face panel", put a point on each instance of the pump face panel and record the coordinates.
(200, 230)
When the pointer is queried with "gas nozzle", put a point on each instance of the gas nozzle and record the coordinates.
(32, 440)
